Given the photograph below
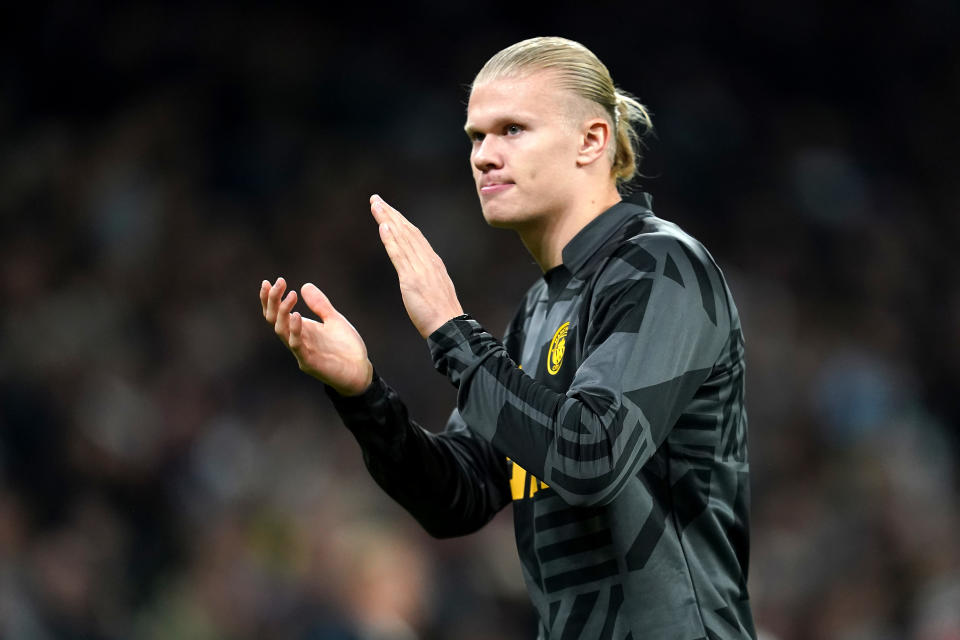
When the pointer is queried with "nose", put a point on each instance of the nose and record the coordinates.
(486, 154)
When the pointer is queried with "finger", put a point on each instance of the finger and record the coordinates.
(414, 246)
(395, 251)
(409, 237)
(381, 208)
(273, 299)
(380, 214)
(412, 249)
(296, 327)
(264, 292)
(318, 302)
(282, 325)
(406, 230)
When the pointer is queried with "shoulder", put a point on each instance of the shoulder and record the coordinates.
(663, 257)
(656, 248)
(683, 264)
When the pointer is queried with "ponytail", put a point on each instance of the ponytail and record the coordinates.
(631, 123)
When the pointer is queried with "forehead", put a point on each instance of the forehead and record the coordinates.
(537, 95)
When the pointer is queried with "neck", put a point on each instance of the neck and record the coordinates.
(546, 237)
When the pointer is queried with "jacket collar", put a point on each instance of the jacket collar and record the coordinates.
(599, 231)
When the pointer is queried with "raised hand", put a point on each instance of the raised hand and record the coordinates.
(330, 350)
(427, 291)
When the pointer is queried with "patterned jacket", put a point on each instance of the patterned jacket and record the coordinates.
(612, 417)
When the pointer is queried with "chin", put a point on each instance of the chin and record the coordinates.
(493, 217)
(502, 218)
(497, 222)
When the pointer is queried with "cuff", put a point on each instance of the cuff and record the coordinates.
(373, 398)
(377, 418)
(458, 344)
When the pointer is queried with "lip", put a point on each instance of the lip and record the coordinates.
(494, 187)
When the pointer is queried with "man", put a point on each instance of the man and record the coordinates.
(611, 415)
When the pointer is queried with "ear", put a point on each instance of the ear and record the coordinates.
(594, 141)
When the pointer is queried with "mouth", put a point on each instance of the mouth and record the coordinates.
(492, 188)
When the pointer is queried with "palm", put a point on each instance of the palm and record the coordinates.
(332, 351)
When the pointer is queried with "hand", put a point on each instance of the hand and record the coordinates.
(427, 291)
(330, 350)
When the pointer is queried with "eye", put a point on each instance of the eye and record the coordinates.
(513, 129)
(476, 136)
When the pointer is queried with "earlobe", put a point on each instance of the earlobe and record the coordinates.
(593, 141)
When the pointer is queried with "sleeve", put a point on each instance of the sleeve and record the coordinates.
(452, 482)
(655, 329)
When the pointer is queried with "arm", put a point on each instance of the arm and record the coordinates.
(648, 347)
(452, 483)
(644, 362)
(651, 343)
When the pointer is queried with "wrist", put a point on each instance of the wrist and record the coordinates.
(358, 389)
(441, 320)
(362, 402)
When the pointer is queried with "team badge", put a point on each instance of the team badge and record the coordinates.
(557, 347)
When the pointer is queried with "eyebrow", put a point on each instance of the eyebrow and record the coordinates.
(520, 118)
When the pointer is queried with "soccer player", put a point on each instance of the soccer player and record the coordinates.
(611, 415)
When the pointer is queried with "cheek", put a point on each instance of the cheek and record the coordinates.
(544, 160)
(551, 163)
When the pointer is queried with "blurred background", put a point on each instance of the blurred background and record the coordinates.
(167, 472)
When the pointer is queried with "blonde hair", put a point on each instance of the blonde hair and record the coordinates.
(581, 72)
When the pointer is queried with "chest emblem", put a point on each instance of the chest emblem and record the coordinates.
(557, 348)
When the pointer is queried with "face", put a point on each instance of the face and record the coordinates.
(524, 148)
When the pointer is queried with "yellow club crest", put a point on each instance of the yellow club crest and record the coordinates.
(557, 347)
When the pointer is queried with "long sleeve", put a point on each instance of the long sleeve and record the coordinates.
(452, 482)
(647, 343)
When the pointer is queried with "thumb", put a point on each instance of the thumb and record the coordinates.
(317, 301)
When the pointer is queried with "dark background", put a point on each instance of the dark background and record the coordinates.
(166, 470)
